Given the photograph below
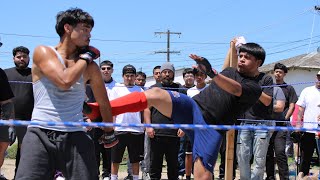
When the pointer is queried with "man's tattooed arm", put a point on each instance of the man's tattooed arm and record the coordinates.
(300, 116)
(7, 108)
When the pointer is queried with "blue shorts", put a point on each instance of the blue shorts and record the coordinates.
(206, 142)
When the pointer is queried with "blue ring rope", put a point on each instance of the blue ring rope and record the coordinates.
(158, 126)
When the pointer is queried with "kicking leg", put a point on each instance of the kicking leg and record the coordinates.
(200, 172)
(134, 102)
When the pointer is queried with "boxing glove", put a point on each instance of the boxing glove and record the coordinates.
(89, 54)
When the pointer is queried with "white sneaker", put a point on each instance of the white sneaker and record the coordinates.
(106, 178)
(146, 176)
(180, 177)
(60, 178)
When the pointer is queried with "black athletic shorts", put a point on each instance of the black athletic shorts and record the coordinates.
(135, 145)
(45, 151)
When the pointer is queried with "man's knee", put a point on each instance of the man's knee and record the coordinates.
(200, 171)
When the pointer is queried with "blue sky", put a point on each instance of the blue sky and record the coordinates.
(124, 30)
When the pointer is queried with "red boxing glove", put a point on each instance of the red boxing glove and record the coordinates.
(89, 54)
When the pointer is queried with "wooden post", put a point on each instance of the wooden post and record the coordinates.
(230, 61)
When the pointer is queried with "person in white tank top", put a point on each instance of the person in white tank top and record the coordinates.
(59, 76)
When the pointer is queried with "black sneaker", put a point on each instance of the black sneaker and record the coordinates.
(108, 139)
(2, 177)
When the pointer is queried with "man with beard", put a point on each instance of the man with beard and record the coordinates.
(22, 90)
(161, 139)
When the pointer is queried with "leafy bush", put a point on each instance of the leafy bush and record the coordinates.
(12, 151)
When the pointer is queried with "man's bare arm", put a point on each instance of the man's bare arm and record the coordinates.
(300, 116)
(265, 99)
(93, 75)
(147, 120)
(290, 110)
(229, 85)
(46, 62)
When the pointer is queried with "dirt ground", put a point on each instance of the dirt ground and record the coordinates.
(9, 166)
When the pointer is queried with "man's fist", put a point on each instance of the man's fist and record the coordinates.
(89, 54)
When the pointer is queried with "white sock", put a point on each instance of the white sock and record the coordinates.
(135, 177)
(114, 177)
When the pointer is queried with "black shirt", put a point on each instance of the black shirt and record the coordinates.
(23, 93)
(221, 107)
(290, 94)
(259, 110)
(158, 118)
(5, 89)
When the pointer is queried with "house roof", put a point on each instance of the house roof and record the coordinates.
(303, 61)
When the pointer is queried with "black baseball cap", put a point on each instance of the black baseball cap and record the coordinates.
(129, 69)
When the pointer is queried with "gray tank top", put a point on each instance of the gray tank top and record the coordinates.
(56, 105)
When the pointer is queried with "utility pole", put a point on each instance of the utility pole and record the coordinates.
(168, 43)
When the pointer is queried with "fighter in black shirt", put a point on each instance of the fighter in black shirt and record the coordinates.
(231, 93)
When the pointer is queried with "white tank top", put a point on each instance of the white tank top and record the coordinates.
(52, 104)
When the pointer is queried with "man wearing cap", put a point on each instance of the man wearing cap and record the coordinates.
(102, 154)
(161, 139)
(309, 106)
(130, 137)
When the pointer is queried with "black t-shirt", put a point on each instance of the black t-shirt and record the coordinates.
(221, 107)
(23, 93)
(158, 118)
(290, 94)
(259, 110)
(5, 89)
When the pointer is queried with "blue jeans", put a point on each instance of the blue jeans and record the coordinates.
(252, 143)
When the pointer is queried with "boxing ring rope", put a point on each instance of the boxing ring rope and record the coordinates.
(268, 124)
(158, 126)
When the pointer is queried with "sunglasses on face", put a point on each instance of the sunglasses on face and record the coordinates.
(108, 68)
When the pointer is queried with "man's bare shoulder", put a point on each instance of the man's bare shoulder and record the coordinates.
(92, 71)
(41, 51)
(42, 57)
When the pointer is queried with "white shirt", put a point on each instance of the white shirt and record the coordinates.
(110, 86)
(310, 100)
(194, 90)
(135, 118)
